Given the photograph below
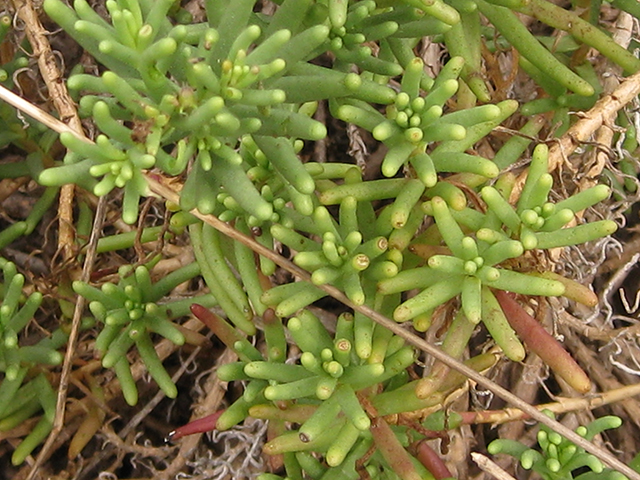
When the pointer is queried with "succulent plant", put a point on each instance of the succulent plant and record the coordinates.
(559, 458)
(25, 389)
(130, 314)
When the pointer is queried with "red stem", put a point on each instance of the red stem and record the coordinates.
(225, 332)
(200, 425)
(543, 344)
(428, 457)
(393, 452)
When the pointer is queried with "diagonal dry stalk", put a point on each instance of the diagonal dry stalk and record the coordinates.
(489, 466)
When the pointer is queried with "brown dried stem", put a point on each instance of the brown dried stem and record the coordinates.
(63, 103)
(603, 113)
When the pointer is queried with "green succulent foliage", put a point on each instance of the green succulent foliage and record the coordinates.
(192, 89)
(320, 392)
(130, 313)
(557, 457)
(228, 103)
(479, 244)
(25, 389)
(414, 121)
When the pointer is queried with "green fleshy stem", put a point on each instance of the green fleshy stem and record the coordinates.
(290, 441)
(441, 93)
(303, 45)
(357, 115)
(39, 355)
(238, 185)
(282, 122)
(438, 131)
(278, 372)
(463, 162)
(300, 388)
(26, 406)
(322, 418)
(121, 344)
(428, 299)
(236, 413)
(583, 31)
(447, 226)
(478, 131)
(11, 291)
(508, 447)
(351, 407)
(282, 155)
(494, 319)
(165, 328)
(450, 193)
(517, 282)
(127, 382)
(66, 18)
(309, 333)
(5, 26)
(471, 299)
(364, 191)
(519, 36)
(298, 301)
(77, 173)
(96, 295)
(232, 371)
(277, 294)
(362, 57)
(585, 199)
(399, 239)
(412, 77)
(421, 277)
(501, 208)
(240, 317)
(9, 389)
(343, 443)
(539, 194)
(513, 149)
(539, 167)
(31, 441)
(268, 49)
(501, 251)
(217, 262)
(464, 39)
(575, 235)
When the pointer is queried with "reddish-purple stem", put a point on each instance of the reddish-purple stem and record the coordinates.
(393, 452)
(543, 344)
(223, 330)
(200, 425)
(428, 457)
